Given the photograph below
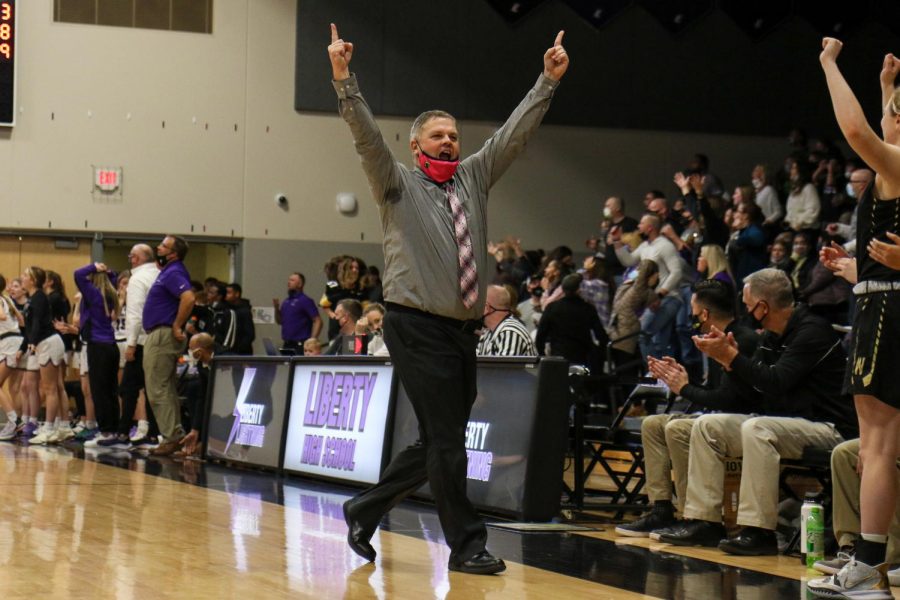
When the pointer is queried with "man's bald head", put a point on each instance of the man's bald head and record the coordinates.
(498, 297)
(140, 254)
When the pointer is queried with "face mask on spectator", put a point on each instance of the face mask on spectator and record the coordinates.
(850, 191)
(607, 213)
(757, 184)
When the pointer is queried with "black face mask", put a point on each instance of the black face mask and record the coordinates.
(754, 322)
(696, 323)
(162, 261)
(644, 236)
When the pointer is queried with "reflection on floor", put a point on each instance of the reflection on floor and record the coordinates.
(100, 524)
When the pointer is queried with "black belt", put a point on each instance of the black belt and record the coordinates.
(10, 334)
(467, 326)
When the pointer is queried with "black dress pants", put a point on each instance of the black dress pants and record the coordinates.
(103, 375)
(130, 390)
(435, 361)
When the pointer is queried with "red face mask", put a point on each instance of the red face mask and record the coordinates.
(437, 170)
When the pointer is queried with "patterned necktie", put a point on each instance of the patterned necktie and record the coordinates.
(468, 275)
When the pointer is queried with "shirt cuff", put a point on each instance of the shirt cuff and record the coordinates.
(545, 86)
(346, 87)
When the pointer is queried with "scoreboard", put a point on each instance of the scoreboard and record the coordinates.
(7, 62)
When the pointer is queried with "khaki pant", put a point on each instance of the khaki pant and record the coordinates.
(845, 482)
(161, 352)
(665, 439)
(762, 442)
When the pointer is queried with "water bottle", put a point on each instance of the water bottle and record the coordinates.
(815, 536)
(809, 501)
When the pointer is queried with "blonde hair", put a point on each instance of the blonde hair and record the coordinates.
(715, 260)
(110, 295)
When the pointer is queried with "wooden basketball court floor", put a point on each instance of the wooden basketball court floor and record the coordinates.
(79, 523)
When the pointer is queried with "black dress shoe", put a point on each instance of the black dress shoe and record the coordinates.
(483, 563)
(357, 537)
(751, 541)
(695, 533)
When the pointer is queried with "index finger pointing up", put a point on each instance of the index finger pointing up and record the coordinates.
(334, 33)
(559, 37)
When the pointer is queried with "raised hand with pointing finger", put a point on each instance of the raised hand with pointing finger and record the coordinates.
(556, 60)
(340, 53)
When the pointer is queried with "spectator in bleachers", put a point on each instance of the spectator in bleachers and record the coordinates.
(798, 370)
(347, 313)
(780, 257)
(503, 334)
(746, 249)
(529, 309)
(660, 208)
(513, 265)
(571, 327)
(803, 255)
(613, 217)
(712, 264)
(803, 204)
(702, 207)
(632, 297)
(859, 180)
(832, 186)
(767, 200)
(658, 323)
(595, 287)
(650, 196)
(712, 185)
(551, 283)
(665, 437)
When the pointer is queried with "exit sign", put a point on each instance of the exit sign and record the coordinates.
(107, 179)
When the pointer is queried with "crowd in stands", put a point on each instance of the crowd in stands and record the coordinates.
(720, 295)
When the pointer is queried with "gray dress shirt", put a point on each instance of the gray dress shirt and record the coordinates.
(420, 253)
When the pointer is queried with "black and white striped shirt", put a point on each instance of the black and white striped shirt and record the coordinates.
(510, 338)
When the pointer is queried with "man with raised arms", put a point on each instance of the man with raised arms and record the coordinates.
(434, 219)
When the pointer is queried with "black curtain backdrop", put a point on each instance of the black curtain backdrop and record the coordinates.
(463, 57)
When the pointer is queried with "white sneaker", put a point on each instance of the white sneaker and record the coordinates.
(854, 580)
(60, 435)
(894, 577)
(42, 437)
(100, 436)
(143, 428)
(78, 428)
(830, 567)
(8, 432)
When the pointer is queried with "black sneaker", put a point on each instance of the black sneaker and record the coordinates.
(661, 515)
(117, 441)
(696, 533)
(751, 541)
(656, 533)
